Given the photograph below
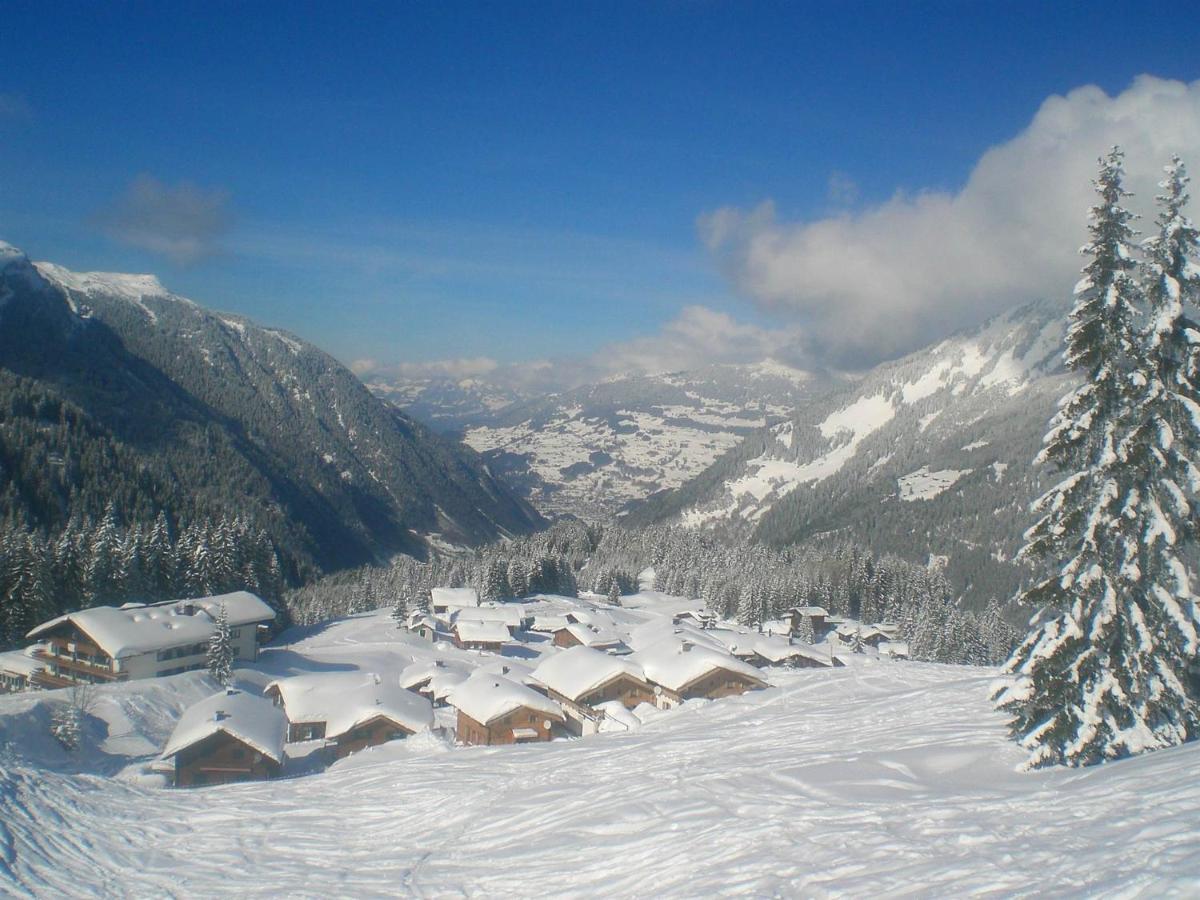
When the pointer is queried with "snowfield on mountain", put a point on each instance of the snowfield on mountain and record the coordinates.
(881, 778)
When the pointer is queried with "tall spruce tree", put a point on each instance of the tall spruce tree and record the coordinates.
(220, 649)
(1080, 680)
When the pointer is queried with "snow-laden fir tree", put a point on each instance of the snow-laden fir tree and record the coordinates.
(614, 592)
(400, 610)
(220, 649)
(1087, 684)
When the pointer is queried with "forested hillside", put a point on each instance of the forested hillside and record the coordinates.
(120, 401)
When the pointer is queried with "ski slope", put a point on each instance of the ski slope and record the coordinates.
(883, 778)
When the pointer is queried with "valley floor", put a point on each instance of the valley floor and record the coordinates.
(882, 778)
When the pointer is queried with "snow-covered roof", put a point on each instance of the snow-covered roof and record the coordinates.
(675, 664)
(577, 670)
(659, 629)
(593, 635)
(810, 610)
(549, 622)
(422, 670)
(469, 630)
(511, 615)
(769, 647)
(486, 697)
(251, 719)
(345, 700)
(460, 597)
(135, 629)
(19, 662)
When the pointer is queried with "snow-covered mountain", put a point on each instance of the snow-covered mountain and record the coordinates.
(124, 393)
(928, 457)
(447, 404)
(591, 450)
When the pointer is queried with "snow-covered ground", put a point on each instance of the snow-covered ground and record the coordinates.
(879, 778)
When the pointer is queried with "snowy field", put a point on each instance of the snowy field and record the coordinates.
(882, 778)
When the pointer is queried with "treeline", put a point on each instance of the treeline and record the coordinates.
(750, 583)
(105, 563)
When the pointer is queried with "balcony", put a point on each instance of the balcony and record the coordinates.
(94, 671)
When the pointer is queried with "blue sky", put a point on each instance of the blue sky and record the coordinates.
(412, 182)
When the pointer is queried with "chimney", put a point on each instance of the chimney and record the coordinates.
(220, 715)
(685, 646)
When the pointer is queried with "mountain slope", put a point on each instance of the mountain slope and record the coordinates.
(929, 456)
(590, 450)
(118, 390)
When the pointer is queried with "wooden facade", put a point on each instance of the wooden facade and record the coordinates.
(564, 638)
(491, 646)
(219, 759)
(70, 656)
(630, 691)
(378, 730)
(521, 726)
(713, 685)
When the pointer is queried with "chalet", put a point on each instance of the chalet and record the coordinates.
(598, 637)
(696, 617)
(349, 710)
(815, 616)
(761, 651)
(894, 649)
(472, 635)
(230, 736)
(548, 624)
(425, 627)
(510, 615)
(493, 709)
(104, 643)
(434, 680)
(580, 679)
(18, 668)
(444, 600)
(684, 671)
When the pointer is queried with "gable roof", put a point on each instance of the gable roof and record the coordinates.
(575, 671)
(135, 628)
(486, 697)
(250, 719)
(482, 632)
(451, 597)
(345, 700)
(675, 664)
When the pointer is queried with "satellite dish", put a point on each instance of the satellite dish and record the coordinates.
(546, 724)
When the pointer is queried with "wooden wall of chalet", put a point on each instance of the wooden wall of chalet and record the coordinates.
(379, 730)
(625, 688)
(500, 731)
(717, 684)
(219, 759)
(564, 638)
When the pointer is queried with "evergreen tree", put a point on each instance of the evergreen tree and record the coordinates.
(1086, 684)
(400, 610)
(614, 592)
(220, 649)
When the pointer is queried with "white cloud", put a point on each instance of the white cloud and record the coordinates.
(182, 222)
(887, 279)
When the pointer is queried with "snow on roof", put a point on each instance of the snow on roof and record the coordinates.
(549, 623)
(19, 662)
(673, 665)
(445, 596)
(345, 700)
(486, 697)
(421, 671)
(135, 629)
(241, 607)
(577, 670)
(810, 610)
(512, 616)
(593, 635)
(251, 719)
(771, 648)
(660, 629)
(482, 632)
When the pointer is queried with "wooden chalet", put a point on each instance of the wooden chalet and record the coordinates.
(493, 709)
(230, 736)
(683, 670)
(580, 679)
(470, 634)
(350, 711)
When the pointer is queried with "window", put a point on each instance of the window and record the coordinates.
(235, 633)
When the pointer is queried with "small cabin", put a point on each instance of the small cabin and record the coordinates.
(493, 710)
(230, 736)
(683, 670)
(582, 679)
(350, 711)
(470, 634)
